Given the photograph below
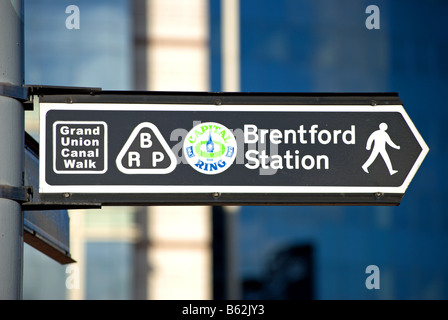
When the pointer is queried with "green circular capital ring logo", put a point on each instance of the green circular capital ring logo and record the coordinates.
(210, 148)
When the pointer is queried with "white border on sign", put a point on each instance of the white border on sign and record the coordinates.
(44, 187)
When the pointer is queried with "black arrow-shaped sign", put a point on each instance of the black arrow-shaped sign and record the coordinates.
(283, 150)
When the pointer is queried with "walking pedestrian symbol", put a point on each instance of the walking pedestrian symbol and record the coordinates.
(380, 139)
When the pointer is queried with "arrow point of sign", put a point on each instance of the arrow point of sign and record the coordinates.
(424, 151)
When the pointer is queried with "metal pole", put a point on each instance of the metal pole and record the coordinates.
(11, 148)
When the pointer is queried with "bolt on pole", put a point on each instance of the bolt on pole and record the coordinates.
(11, 148)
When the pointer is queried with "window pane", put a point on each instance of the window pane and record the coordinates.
(108, 270)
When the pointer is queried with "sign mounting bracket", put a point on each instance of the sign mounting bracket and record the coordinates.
(19, 194)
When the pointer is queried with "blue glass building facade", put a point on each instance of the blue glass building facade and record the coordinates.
(58, 56)
(290, 46)
(325, 46)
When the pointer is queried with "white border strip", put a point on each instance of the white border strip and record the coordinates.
(46, 188)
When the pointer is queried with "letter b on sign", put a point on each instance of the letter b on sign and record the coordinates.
(145, 140)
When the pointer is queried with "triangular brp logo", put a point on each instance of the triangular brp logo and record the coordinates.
(146, 152)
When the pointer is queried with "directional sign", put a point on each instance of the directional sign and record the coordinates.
(251, 153)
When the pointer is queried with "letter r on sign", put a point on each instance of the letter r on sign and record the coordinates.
(134, 156)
